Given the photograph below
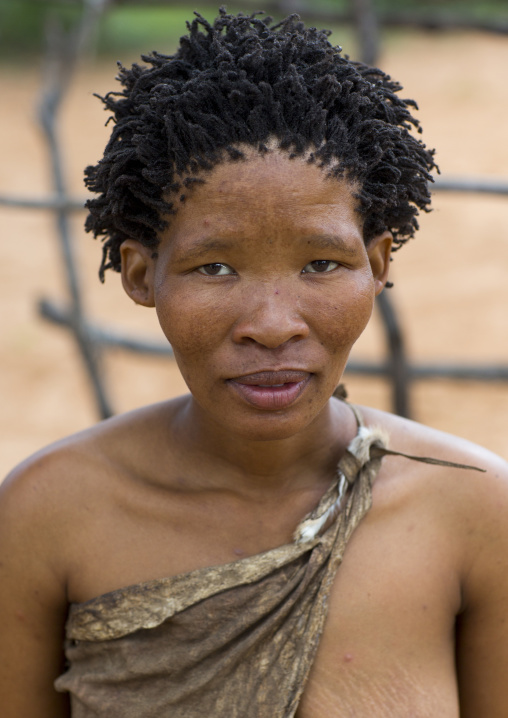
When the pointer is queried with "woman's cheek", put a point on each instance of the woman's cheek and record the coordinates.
(344, 316)
(193, 322)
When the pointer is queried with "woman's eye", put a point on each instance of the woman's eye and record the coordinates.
(215, 270)
(320, 266)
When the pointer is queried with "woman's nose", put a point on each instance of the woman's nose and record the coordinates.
(270, 317)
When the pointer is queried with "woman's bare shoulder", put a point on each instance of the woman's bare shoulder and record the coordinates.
(469, 499)
(112, 441)
(470, 503)
(413, 438)
(55, 480)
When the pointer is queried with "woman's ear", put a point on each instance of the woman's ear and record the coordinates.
(378, 251)
(138, 272)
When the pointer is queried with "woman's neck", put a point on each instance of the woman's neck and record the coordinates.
(245, 465)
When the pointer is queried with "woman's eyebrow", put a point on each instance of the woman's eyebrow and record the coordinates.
(331, 242)
(321, 242)
(198, 249)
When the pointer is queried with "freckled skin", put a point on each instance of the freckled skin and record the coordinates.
(416, 623)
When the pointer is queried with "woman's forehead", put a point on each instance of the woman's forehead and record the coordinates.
(253, 179)
(269, 195)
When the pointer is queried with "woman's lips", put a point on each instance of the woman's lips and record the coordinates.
(271, 389)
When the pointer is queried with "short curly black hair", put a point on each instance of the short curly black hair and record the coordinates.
(243, 80)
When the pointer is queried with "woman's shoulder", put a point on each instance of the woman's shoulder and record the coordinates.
(467, 487)
(413, 438)
(62, 474)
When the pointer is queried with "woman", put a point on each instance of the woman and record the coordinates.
(188, 552)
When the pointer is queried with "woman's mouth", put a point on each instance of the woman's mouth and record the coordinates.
(271, 390)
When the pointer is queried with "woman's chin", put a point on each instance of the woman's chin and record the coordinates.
(270, 425)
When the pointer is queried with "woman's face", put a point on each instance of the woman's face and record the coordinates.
(262, 284)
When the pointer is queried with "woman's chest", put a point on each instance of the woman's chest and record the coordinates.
(387, 648)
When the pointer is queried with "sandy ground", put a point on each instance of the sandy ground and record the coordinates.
(451, 283)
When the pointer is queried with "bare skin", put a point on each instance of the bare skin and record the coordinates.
(417, 624)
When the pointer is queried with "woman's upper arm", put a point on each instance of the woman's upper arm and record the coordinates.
(482, 628)
(33, 601)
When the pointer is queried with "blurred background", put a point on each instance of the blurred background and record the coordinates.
(61, 353)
